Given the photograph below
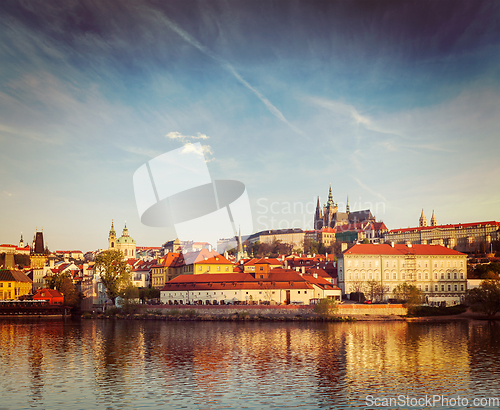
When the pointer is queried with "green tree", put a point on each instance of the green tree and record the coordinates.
(326, 308)
(113, 271)
(371, 289)
(366, 241)
(486, 297)
(64, 284)
(408, 294)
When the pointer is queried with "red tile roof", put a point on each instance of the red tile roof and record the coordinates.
(399, 249)
(451, 226)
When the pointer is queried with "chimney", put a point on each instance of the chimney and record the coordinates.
(315, 275)
(392, 244)
(303, 269)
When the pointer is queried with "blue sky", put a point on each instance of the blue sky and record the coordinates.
(395, 103)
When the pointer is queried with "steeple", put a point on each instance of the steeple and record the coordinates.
(112, 230)
(330, 197)
(347, 206)
(433, 219)
(112, 237)
(423, 219)
(21, 242)
(125, 230)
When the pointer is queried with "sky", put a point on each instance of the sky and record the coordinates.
(393, 103)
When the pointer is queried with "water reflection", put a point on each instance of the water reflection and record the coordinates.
(131, 364)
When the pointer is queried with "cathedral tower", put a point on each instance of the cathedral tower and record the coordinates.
(423, 220)
(433, 219)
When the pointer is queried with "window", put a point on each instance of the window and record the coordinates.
(1, 285)
(403, 275)
(455, 275)
(462, 287)
(394, 276)
(435, 276)
(436, 288)
(449, 275)
(298, 291)
(449, 288)
(218, 268)
(199, 267)
(10, 284)
(426, 275)
(387, 275)
(426, 288)
(227, 268)
(442, 288)
(456, 287)
(442, 275)
(461, 276)
(419, 275)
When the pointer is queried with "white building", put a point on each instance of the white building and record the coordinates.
(277, 286)
(440, 273)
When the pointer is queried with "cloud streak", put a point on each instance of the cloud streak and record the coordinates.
(226, 65)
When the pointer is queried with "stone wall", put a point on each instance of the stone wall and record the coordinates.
(290, 310)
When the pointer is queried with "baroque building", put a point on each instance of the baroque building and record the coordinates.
(330, 217)
(125, 243)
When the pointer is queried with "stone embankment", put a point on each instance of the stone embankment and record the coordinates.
(346, 312)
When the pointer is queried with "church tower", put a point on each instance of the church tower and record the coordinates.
(330, 213)
(21, 242)
(423, 219)
(433, 219)
(318, 217)
(347, 210)
(112, 237)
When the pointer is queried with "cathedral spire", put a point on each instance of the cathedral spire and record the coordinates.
(330, 197)
(347, 206)
(423, 220)
(433, 219)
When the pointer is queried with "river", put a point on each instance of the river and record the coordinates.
(121, 364)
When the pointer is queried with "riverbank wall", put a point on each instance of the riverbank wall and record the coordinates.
(346, 310)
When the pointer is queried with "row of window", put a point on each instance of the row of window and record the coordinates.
(200, 267)
(405, 276)
(394, 264)
(9, 284)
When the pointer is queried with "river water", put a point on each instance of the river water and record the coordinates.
(119, 364)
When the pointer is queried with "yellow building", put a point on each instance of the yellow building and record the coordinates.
(440, 273)
(13, 284)
(206, 261)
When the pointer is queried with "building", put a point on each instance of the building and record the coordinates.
(125, 243)
(276, 286)
(440, 273)
(330, 217)
(466, 237)
(166, 269)
(39, 254)
(52, 295)
(13, 282)
(357, 232)
(294, 237)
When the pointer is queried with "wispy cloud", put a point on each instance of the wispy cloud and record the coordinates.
(225, 64)
(141, 151)
(367, 188)
(7, 193)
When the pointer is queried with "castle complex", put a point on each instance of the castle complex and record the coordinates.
(330, 217)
